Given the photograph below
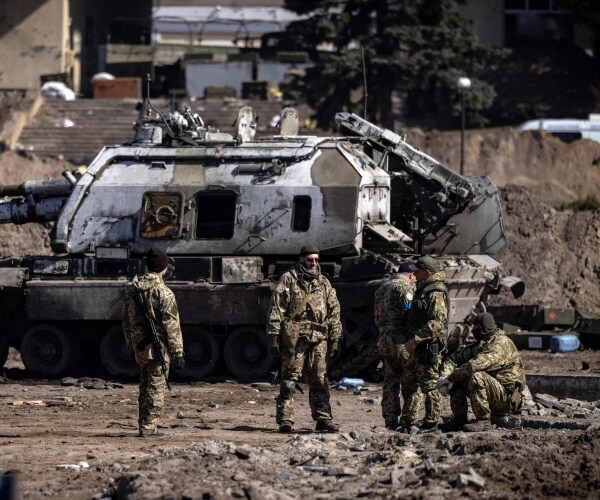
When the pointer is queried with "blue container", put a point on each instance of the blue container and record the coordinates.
(564, 343)
(350, 382)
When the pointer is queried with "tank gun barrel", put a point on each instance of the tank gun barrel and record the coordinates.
(34, 201)
(38, 189)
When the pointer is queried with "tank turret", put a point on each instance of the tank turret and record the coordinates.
(232, 210)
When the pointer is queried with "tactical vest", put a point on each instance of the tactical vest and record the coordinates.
(420, 315)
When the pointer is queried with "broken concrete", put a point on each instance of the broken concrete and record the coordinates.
(581, 387)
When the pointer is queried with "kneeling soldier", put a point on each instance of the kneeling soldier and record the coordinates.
(489, 372)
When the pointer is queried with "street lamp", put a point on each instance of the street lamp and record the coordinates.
(463, 83)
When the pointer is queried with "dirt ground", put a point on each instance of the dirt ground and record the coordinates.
(221, 442)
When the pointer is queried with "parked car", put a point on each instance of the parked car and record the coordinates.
(567, 129)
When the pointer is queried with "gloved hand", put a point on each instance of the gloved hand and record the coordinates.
(444, 385)
(179, 363)
(274, 347)
(334, 348)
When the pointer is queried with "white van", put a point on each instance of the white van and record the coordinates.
(567, 129)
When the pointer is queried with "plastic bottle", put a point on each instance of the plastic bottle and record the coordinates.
(350, 382)
(564, 343)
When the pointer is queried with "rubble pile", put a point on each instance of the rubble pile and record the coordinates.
(372, 462)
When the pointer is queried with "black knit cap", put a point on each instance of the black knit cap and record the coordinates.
(485, 322)
(406, 267)
(308, 249)
(156, 260)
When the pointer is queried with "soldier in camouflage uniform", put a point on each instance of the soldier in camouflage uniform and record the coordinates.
(489, 372)
(429, 329)
(303, 323)
(163, 308)
(393, 300)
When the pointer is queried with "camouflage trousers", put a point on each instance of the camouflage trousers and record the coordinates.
(427, 375)
(152, 395)
(310, 358)
(487, 396)
(398, 376)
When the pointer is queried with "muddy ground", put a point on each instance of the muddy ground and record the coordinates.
(221, 442)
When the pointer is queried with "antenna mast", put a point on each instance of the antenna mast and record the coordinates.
(366, 92)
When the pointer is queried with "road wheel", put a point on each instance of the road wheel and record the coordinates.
(3, 348)
(247, 353)
(116, 357)
(201, 352)
(50, 350)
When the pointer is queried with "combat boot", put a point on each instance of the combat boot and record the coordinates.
(408, 429)
(156, 434)
(392, 425)
(327, 426)
(286, 426)
(426, 428)
(454, 424)
(478, 425)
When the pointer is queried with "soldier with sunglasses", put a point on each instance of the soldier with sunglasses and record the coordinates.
(304, 327)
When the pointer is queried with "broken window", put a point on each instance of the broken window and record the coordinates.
(215, 214)
(301, 213)
(162, 215)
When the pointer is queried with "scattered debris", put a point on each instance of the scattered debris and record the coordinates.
(463, 480)
(90, 383)
(77, 466)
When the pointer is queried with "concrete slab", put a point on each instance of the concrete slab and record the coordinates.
(563, 386)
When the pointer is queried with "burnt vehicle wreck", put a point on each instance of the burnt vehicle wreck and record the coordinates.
(232, 210)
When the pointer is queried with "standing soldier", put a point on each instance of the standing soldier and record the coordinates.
(490, 373)
(429, 329)
(161, 307)
(304, 321)
(393, 301)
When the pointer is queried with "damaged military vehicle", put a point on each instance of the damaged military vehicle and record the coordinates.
(232, 210)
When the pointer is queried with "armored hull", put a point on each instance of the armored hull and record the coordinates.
(232, 211)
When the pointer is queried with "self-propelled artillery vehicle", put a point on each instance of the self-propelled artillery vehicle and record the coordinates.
(232, 210)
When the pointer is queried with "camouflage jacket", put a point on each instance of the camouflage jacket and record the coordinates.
(496, 356)
(393, 300)
(431, 320)
(162, 307)
(322, 306)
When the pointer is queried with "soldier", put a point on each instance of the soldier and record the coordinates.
(490, 373)
(393, 300)
(162, 307)
(429, 329)
(304, 321)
